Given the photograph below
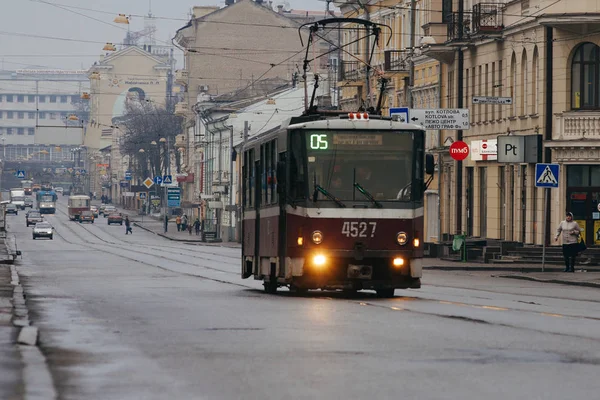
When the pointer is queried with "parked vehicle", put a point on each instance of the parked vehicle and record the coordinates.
(86, 216)
(43, 229)
(33, 217)
(115, 218)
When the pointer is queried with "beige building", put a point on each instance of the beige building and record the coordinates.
(391, 59)
(131, 74)
(247, 49)
(544, 57)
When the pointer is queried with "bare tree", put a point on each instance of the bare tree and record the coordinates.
(145, 123)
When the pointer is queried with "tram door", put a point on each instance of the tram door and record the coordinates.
(584, 203)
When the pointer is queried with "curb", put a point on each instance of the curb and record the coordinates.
(494, 269)
(557, 281)
(36, 374)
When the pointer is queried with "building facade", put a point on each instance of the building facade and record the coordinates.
(543, 57)
(42, 107)
(131, 74)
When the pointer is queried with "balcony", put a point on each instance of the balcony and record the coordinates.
(396, 61)
(574, 127)
(181, 108)
(181, 76)
(487, 19)
(350, 73)
(459, 30)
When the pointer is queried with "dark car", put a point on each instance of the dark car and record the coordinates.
(86, 216)
(11, 209)
(66, 192)
(29, 202)
(115, 218)
(33, 217)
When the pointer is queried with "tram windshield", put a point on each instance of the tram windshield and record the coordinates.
(79, 202)
(371, 166)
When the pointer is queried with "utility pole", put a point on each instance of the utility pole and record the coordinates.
(459, 133)
(231, 174)
(411, 77)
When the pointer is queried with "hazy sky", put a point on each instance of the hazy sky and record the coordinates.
(86, 25)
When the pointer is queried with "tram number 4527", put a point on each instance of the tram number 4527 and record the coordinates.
(359, 229)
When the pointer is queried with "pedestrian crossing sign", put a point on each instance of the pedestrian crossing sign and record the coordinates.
(546, 175)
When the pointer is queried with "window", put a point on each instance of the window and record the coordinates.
(31, 131)
(9, 131)
(63, 99)
(42, 115)
(21, 98)
(1, 113)
(524, 85)
(42, 99)
(52, 99)
(535, 86)
(584, 77)
(31, 115)
(513, 84)
(52, 115)
(9, 115)
(31, 99)
(75, 99)
(20, 131)
(9, 98)
(21, 115)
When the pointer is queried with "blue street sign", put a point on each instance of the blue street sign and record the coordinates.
(128, 175)
(82, 171)
(20, 174)
(401, 112)
(167, 179)
(157, 180)
(546, 175)
(174, 197)
(143, 196)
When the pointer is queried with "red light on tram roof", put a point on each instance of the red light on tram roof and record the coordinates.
(358, 116)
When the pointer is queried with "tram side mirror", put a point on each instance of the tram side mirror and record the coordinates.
(429, 164)
(280, 177)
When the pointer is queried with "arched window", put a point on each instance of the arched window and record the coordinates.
(535, 86)
(584, 77)
(524, 84)
(513, 84)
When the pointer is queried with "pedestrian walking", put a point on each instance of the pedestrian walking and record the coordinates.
(189, 228)
(184, 222)
(197, 226)
(166, 223)
(569, 230)
(128, 229)
(178, 222)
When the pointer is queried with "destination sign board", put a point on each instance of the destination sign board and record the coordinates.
(441, 118)
(357, 140)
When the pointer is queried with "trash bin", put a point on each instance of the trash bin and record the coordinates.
(459, 244)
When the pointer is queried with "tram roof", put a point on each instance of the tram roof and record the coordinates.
(346, 124)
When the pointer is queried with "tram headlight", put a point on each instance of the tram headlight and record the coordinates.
(416, 242)
(319, 260)
(401, 238)
(398, 262)
(317, 237)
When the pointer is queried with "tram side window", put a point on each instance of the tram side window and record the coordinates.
(263, 177)
(297, 171)
(272, 179)
(419, 180)
(249, 178)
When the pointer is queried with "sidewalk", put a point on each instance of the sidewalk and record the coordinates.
(11, 366)
(585, 275)
(157, 227)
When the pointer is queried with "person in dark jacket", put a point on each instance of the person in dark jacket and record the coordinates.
(128, 226)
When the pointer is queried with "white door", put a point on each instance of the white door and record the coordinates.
(433, 216)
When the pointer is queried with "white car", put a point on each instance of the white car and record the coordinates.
(58, 189)
(43, 229)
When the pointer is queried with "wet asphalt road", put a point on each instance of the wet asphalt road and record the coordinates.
(140, 317)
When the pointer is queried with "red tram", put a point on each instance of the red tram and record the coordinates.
(335, 203)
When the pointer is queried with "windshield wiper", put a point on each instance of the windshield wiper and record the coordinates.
(319, 188)
(368, 195)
